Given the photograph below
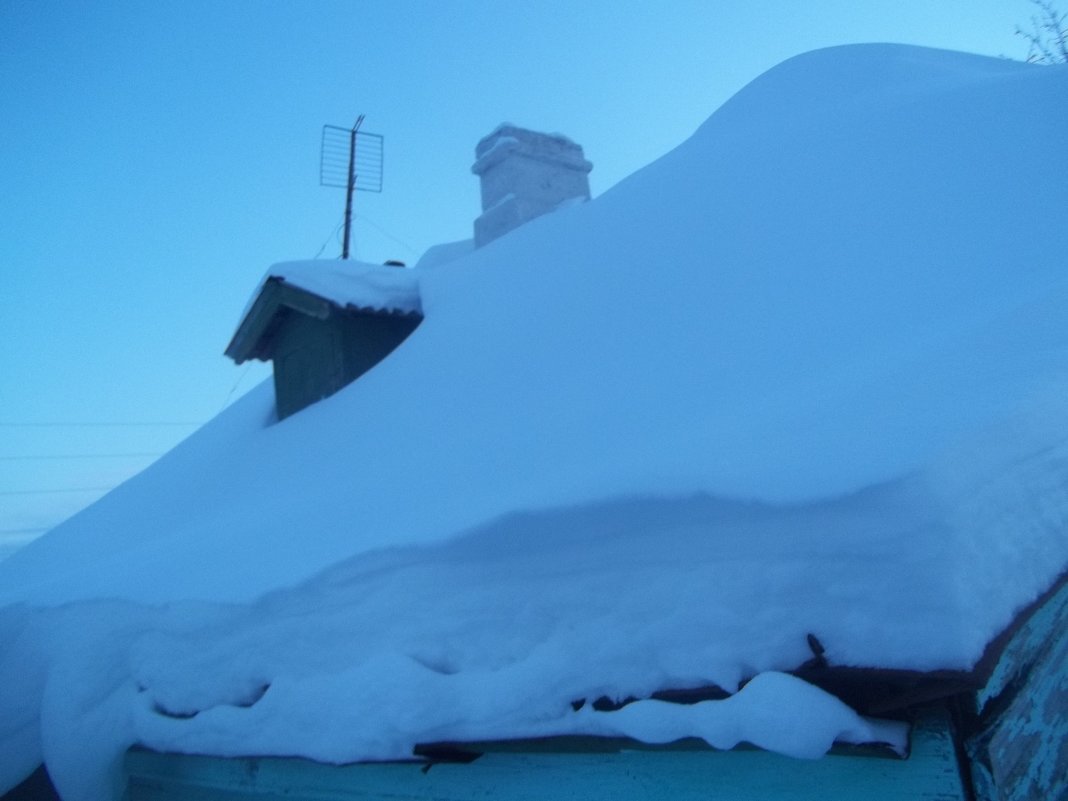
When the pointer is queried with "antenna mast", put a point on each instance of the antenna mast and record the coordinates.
(342, 165)
(350, 185)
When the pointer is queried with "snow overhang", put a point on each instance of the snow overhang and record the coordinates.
(315, 288)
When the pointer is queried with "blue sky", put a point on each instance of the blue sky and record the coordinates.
(158, 157)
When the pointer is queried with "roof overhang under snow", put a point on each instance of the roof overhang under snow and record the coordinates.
(315, 288)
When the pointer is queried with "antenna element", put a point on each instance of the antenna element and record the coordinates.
(344, 165)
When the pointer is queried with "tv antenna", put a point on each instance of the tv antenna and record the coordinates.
(350, 159)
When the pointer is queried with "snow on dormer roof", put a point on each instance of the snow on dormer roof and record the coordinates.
(372, 287)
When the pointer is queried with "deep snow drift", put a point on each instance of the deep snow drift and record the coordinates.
(807, 373)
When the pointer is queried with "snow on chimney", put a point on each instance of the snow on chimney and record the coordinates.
(525, 174)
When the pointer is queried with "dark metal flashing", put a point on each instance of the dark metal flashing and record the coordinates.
(873, 690)
(879, 692)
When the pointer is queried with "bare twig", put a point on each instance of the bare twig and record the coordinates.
(1047, 39)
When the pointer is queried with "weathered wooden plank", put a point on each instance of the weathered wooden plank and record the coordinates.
(1020, 749)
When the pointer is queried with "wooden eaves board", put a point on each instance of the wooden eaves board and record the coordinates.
(252, 339)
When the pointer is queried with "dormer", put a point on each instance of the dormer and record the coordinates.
(324, 324)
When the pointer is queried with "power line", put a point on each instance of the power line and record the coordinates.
(333, 233)
(99, 424)
(363, 218)
(237, 383)
(384, 232)
(55, 491)
(81, 456)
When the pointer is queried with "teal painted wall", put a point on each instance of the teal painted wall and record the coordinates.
(1020, 749)
(630, 772)
(314, 358)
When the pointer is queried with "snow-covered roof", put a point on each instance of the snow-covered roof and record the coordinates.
(373, 287)
(805, 375)
(349, 285)
(444, 253)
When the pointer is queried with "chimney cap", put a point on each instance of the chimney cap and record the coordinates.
(507, 139)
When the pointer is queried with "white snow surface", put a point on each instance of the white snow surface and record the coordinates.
(353, 283)
(808, 373)
(444, 253)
